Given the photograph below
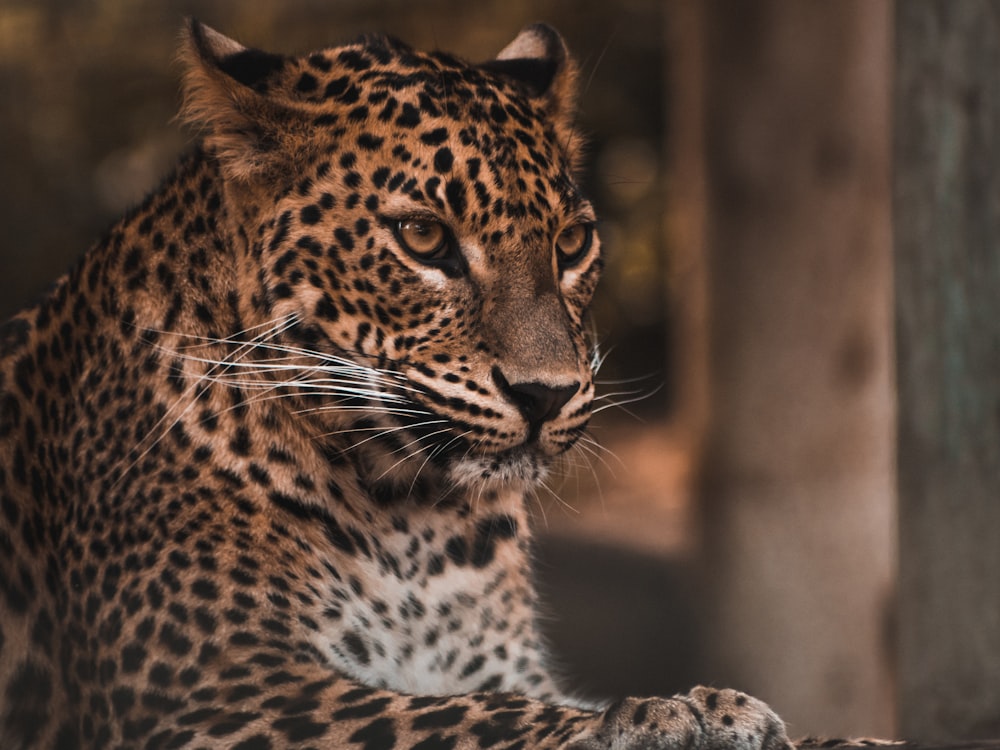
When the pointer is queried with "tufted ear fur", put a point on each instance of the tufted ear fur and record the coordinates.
(225, 87)
(539, 61)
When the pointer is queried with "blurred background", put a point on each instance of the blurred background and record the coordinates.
(738, 524)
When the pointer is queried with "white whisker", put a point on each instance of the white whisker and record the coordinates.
(578, 449)
(590, 446)
(188, 392)
(624, 402)
(382, 431)
(408, 455)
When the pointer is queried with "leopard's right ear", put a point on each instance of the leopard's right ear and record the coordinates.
(225, 96)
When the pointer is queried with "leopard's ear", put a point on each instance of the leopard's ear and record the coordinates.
(225, 96)
(539, 61)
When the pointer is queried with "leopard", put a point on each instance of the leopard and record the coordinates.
(267, 449)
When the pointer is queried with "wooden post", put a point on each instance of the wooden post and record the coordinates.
(798, 489)
(947, 256)
(687, 275)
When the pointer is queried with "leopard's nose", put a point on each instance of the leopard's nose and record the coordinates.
(537, 402)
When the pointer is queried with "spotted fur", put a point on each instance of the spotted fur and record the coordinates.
(263, 453)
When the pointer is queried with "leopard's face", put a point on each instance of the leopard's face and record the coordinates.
(424, 223)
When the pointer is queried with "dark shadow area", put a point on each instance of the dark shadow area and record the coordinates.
(621, 622)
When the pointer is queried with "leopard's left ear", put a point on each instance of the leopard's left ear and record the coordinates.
(539, 61)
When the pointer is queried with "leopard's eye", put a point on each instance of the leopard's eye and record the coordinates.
(573, 243)
(424, 239)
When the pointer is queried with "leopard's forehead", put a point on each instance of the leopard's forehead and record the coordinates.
(438, 80)
(378, 89)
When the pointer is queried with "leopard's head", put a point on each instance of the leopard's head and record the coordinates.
(417, 217)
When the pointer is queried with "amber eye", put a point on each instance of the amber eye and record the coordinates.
(425, 239)
(573, 243)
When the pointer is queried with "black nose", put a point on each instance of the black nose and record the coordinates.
(537, 402)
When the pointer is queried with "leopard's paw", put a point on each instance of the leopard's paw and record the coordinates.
(704, 719)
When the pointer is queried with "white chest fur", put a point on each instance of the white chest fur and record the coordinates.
(432, 613)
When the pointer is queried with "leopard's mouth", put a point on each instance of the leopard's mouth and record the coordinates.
(467, 462)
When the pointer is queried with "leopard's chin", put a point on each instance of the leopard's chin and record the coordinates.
(519, 468)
